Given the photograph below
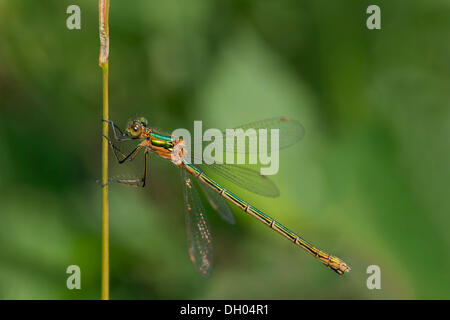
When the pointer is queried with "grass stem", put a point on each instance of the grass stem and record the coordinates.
(103, 62)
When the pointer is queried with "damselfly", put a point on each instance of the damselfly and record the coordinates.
(199, 237)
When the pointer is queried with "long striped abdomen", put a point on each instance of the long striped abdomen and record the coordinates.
(333, 262)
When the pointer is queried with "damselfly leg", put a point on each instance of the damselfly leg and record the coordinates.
(114, 127)
(137, 182)
(122, 157)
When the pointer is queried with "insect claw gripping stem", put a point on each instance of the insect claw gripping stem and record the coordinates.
(114, 128)
(110, 180)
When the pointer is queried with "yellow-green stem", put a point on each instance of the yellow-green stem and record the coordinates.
(103, 62)
(105, 205)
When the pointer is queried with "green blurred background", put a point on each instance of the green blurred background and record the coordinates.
(368, 183)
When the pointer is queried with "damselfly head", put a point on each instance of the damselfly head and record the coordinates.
(143, 121)
(135, 126)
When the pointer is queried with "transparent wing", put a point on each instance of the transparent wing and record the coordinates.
(289, 132)
(199, 237)
(219, 204)
(244, 177)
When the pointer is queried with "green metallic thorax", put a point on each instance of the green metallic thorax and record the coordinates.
(161, 140)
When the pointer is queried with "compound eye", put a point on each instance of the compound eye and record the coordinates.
(134, 130)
